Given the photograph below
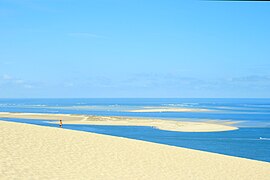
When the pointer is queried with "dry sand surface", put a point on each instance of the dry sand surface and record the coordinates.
(36, 152)
(127, 121)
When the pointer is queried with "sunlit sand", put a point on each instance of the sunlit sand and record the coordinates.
(36, 152)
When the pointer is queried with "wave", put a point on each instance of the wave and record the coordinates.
(261, 138)
(182, 104)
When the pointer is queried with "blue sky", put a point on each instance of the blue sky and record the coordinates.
(134, 48)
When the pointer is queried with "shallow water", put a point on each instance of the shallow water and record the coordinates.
(253, 114)
(244, 142)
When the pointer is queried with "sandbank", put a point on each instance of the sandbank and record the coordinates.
(170, 125)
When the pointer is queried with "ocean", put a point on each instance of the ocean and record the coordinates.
(251, 140)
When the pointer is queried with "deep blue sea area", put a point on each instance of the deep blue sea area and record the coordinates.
(252, 140)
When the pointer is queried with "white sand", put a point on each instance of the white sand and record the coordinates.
(126, 121)
(35, 152)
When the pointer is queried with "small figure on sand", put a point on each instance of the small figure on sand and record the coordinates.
(61, 124)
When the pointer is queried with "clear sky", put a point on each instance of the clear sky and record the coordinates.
(134, 48)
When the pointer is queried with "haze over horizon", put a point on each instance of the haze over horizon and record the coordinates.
(116, 48)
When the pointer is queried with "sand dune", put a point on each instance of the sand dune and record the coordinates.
(35, 152)
(170, 125)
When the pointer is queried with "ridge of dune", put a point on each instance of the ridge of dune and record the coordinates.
(36, 152)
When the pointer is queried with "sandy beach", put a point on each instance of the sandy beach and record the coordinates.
(35, 152)
(171, 125)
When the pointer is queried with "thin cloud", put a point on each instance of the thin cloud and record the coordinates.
(251, 79)
(69, 84)
(28, 86)
(6, 77)
(86, 35)
(8, 80)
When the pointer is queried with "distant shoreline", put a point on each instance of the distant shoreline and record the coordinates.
(170, 109)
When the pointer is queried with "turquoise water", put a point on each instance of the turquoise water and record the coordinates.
(250, 141)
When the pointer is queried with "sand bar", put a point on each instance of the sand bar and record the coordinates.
(36, 152)
(171, 125)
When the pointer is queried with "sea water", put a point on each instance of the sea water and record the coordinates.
(250, 141)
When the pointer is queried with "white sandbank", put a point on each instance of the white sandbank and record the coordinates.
(36, 152)
(169, 125)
